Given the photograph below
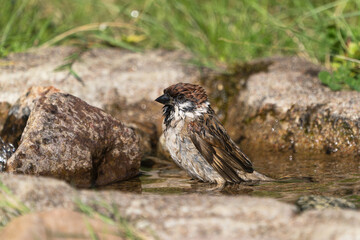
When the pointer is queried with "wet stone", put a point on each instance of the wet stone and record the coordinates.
(144, 117)
(288, 109)
(4, 109)
(68, 139)
(6, 150)
(19, 113)
(322, 202)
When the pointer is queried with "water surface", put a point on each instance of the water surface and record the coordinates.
(296, 175)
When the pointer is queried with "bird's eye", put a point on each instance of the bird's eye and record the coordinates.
(180, 97)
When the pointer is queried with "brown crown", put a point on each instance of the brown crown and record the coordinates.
(191, 91)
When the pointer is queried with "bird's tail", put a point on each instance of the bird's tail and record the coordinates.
(254, 176)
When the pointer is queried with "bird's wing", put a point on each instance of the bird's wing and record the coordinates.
(214, 144)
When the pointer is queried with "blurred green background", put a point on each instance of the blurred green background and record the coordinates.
(219, 33)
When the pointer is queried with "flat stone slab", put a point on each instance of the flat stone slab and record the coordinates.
(73, 225)
(106, 72)
(287, 108)
(189, 216)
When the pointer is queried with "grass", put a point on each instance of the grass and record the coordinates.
(127, 230)
(10, 206)
(218, 33)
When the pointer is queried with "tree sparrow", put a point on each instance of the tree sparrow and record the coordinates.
(197, 141)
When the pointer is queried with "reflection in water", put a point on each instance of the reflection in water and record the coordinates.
(133, 185)
(296, 175)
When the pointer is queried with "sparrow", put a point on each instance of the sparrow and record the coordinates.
(197, 141)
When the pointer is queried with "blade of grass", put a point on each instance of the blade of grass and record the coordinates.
(10, 23)
(87, 28)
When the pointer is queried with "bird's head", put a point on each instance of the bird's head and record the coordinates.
(184, 99)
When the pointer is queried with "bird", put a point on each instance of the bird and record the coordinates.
(198, 142)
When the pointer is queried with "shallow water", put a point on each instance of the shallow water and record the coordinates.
(296, 175)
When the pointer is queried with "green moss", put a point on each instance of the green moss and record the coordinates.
(350, 180)
(271, 194)
(112, 217)
(147, 180)
(165, 190)
(10, 206)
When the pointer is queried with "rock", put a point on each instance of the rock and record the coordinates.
(19, 113)
(68, 139)
(326, 224)
(4, 110)
(121, 82)
(288, 109)
(107, 73)
(144, 111)
(6, 150)
(200, 216)
(41, 193)
(322, 202)
(59, 223)
(19, 191)
(143, 117)
(190, 216)
(147, 134)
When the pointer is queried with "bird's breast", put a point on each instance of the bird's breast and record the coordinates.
(186, 156)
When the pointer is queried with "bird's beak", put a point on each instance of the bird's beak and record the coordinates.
(164, 99)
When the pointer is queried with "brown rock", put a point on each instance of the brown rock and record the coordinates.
(59, 224)
(4, 110)
(6, 150)
(20, 112)
(68, 139)
(288, 109)
(147, 134)
(144, 117)
(309, 202)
